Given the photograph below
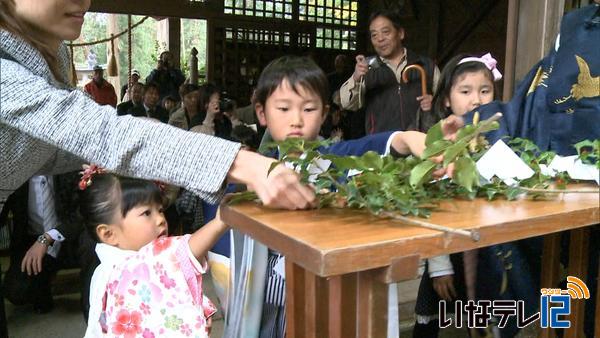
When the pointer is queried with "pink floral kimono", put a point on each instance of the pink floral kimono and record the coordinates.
(153, 292)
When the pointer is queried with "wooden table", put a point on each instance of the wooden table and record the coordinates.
(338, 262)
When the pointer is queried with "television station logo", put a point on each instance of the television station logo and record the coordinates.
(555, 307)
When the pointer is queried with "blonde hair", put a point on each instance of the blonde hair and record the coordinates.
(10, 22)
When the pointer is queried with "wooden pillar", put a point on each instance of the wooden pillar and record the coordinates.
(174, 44)
(511, 49)
(538, 25)
(597, 313)
(434, 28)
(210, 50)
(168, 35)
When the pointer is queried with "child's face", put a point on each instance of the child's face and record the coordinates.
(290, 114)
(469, 91)
(140, 226)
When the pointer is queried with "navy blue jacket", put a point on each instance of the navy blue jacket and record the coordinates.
(558, 102)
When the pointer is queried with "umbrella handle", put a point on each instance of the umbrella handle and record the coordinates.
(421, 70)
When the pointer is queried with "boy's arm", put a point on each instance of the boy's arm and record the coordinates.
(379, 143)
(409, 142)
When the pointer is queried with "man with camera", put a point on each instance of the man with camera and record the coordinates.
(166, 76)
(376, 84)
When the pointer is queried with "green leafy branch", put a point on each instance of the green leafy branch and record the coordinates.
(398, 187)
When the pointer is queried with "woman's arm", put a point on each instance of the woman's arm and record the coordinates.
(71, 121)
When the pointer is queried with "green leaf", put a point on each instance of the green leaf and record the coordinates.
(546, 157)
(421, 173)
(371, 160)
(513, 192)
(453, 151)
(583, 144)
(434, 134)
(343, 163)
(466, 131)
(465, 173)
(243, 196)
(485, 126)
(436, 148)
(267, 147)
(273, 165)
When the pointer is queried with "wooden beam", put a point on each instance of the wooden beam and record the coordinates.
(467, 28)
(160, 8)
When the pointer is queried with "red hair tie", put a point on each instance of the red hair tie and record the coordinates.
(87, 173)
(161, 185)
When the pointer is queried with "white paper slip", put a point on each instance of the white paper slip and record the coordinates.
(581, 171)
(280, 267)
(576, 169)
(502, 162)
(560, 164)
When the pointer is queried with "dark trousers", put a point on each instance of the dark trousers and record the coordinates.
(3, 323)
(20, 288)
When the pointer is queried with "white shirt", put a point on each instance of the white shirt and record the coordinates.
(41, 211)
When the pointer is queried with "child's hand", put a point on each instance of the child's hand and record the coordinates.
(451, 125)
(444, 287)
(441, 172)
(208, 325)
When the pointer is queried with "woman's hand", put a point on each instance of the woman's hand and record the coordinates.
(281, 188)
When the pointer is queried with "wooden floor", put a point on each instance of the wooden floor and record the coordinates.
(66, 320)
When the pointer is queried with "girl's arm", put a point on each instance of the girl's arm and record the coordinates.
(413, 142)
(205, 238)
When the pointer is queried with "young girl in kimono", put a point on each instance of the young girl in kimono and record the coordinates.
(466, 82)
(147, 284)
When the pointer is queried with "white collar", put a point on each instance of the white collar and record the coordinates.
(108, 253)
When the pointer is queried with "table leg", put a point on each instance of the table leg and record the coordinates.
(372, 305)
(578, 261)
(550, 269)
(351, 305)
(597, 313)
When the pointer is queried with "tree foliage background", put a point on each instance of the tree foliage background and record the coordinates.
(145, 45)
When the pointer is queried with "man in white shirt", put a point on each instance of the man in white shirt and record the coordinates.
(34, 265)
